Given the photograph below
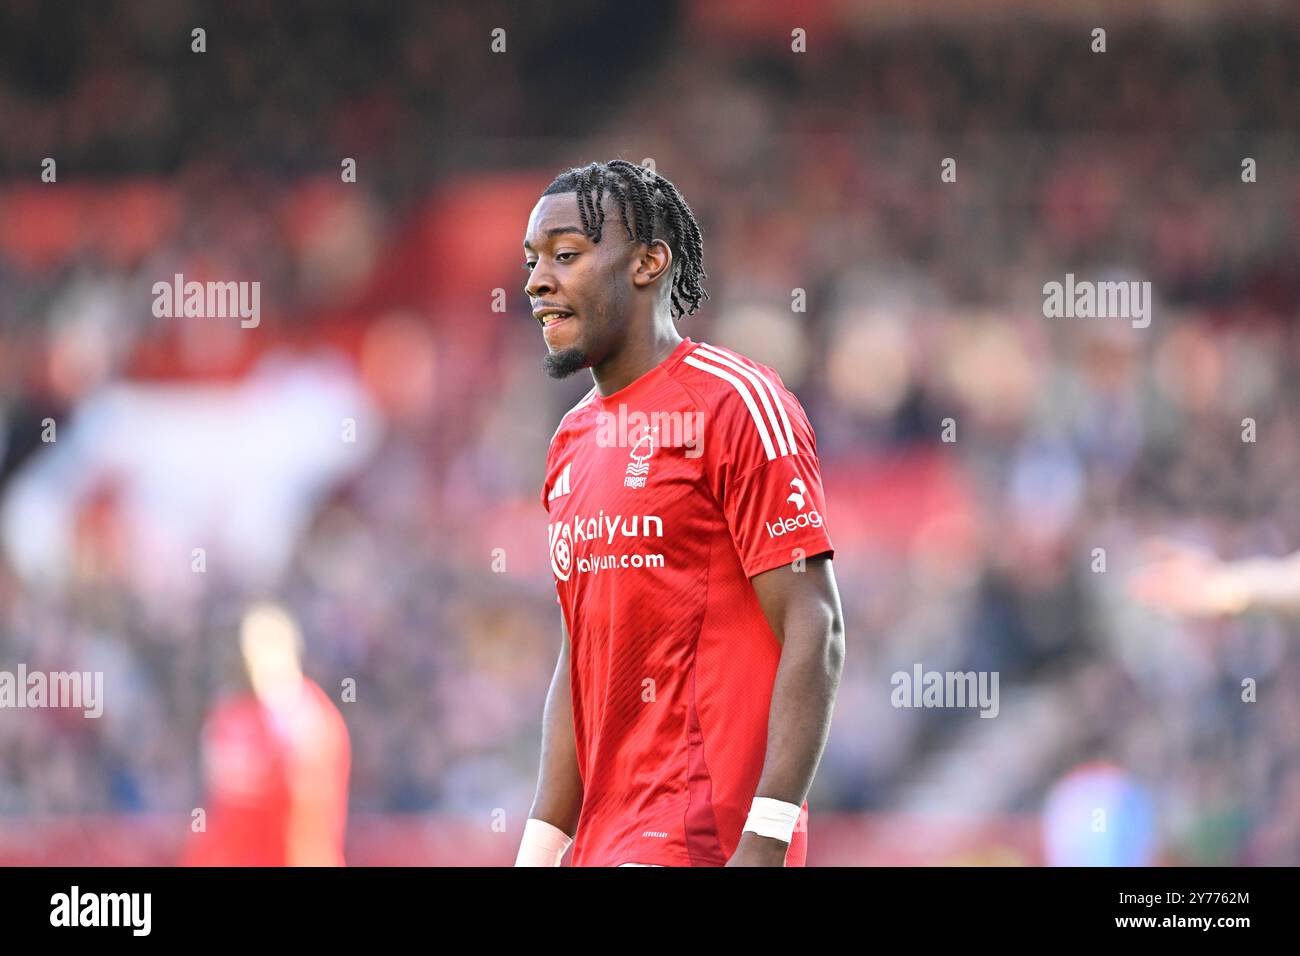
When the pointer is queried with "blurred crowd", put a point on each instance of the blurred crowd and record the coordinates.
(992, 475)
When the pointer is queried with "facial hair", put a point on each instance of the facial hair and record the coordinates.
(564, 362)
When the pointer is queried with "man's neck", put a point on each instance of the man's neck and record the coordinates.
(634, 360)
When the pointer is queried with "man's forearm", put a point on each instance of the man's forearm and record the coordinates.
(553, 817)
(803, 698)
(558, 799)
(1269, 584)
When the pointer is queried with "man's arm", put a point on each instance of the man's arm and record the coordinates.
(1189, 581)
(803, 609)
(558, 799)
(318, 797)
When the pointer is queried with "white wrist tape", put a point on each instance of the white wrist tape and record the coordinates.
(773, 818)
(542, 844)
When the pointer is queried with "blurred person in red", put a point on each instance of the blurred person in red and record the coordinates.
(276, 760)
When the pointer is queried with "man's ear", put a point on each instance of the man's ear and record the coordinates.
(654, 260)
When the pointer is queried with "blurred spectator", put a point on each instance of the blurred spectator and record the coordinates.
(275, 760)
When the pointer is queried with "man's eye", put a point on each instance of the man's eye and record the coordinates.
(530, 266)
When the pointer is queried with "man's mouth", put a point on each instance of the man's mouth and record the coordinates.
(551, 319)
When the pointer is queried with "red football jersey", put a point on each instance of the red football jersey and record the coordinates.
(256, 759)
(665, 498)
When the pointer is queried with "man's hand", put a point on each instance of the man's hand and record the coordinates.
(755, 850)
(1186, 581)
(1192, 582)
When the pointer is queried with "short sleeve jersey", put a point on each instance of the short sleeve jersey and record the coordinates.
(664, 499)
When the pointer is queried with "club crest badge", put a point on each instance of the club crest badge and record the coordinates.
(638, 470)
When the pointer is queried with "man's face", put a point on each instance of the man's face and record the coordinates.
(591, 281)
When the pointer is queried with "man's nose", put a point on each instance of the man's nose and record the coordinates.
(540, 282)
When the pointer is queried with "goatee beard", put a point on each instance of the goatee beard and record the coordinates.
(565, 362)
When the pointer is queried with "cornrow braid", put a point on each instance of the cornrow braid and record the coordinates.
(651, 208)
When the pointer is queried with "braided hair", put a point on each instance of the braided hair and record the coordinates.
(658, 211)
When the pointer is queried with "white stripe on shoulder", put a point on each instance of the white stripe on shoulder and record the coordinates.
(763, 385)
(743, 389)
(585, 400)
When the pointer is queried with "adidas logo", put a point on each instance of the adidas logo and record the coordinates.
(561, 484)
